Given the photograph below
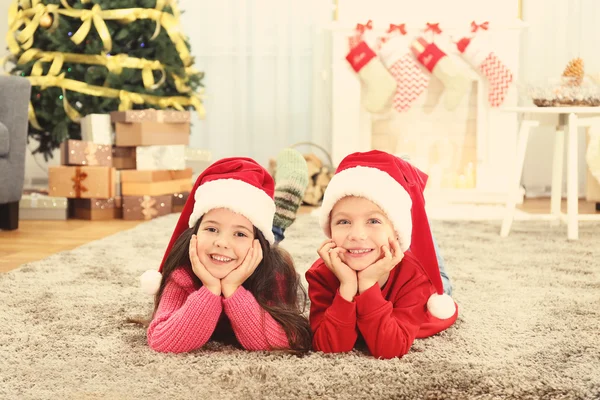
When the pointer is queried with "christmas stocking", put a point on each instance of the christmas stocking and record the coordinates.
(364, 33)
(411, 80)
(499, 76)
(378, 85)
(441, 66)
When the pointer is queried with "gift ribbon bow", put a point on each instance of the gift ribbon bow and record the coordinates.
(148, 210)
(361, 28)
(90, 154)
(77, 181)
(475, 27)
(400, 28)
(435, 28)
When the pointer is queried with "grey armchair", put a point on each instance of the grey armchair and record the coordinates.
(14, 102)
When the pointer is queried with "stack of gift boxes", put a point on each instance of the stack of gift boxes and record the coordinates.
(130, 165)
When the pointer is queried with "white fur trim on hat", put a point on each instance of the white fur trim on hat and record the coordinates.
(150, 281)
(239, 197)
(441, 306)
(377, 186)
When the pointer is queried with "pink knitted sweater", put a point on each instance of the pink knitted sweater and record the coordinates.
(187, 317)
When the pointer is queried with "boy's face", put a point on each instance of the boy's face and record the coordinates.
(359, 226)
(224, 238)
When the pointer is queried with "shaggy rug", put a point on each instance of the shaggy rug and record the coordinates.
(529, 327)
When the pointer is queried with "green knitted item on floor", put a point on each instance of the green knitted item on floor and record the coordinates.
(291, 181)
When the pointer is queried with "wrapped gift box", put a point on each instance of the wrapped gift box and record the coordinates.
(79, 152)
(37, 206)
(97, 128)
(123, 157)
(179, 200)
(95, 209)
(82, 182)
(151, 115)
(155, 183)
(160, 157)
(151, 133)
(146, 207)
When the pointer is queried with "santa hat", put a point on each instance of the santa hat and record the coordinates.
(238, 184)
(397, 188)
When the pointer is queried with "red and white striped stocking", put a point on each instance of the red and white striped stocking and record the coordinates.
(499, 77)
(411, 79)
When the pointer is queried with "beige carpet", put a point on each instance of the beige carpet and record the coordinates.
(529, 327)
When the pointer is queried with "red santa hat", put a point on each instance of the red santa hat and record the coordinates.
(397, 188)
(238, 184)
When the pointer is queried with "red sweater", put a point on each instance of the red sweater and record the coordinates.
(187, 316)
(388, 319)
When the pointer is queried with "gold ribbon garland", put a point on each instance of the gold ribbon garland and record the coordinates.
(29, 17)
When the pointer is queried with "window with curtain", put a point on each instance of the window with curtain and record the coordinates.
(260, 58)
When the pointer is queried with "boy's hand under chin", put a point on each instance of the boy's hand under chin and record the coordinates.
(330, 254)
(235, 278)
(380, 270)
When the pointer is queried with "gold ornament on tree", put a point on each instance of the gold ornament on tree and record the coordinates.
(46, 21)
(575, 71)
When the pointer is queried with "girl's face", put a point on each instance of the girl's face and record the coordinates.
(359, 226)
(224, 238)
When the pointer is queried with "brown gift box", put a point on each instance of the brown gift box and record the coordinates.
(82, 182)
(155, 175)
(179, 200)
(150, 114)
(151, 133)
(155, 183)
(124, 157)
(95, 209)
(146, 207)
(156, 188)
(79, 152)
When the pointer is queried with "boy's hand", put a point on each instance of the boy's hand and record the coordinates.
(346, 275)
(392, 255)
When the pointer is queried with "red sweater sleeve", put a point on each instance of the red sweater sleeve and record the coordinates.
(185, 318)
(253, 326)
(332, 318)
(389, 327)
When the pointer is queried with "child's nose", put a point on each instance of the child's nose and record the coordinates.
(220, 241)
(357, 233)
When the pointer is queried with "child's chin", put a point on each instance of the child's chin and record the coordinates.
(358, 265)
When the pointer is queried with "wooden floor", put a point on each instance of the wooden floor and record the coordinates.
(35, 240)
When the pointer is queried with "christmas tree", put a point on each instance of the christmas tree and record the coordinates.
(97, 56)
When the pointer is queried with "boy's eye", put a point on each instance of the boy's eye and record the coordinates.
(342, 222)
(374, 221)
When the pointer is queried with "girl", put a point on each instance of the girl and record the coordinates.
(378, 277)
(221, 266)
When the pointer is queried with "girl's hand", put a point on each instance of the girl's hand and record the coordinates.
(374, 272)
(346, 275)
(235, 278)
(211, 283)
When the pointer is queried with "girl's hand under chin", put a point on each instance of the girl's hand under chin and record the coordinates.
(235, 278)
(211, 283)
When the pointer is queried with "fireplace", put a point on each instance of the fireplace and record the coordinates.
(467, 152)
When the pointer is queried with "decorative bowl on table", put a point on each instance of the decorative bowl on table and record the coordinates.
(564, 92)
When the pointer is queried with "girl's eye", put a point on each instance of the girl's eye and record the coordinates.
(240, 234)
(374, 221)
(211, 229)
(343, 222)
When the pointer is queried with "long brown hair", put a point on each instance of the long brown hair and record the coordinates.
(286, 304)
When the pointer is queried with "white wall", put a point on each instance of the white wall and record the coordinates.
(558, 32)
